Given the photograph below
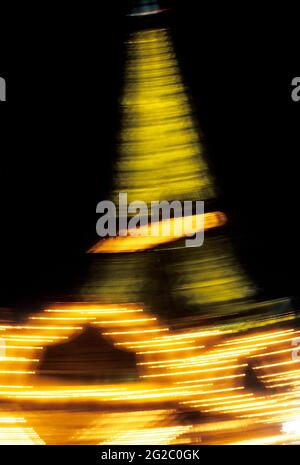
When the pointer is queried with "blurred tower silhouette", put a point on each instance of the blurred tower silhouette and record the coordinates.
(161, 158)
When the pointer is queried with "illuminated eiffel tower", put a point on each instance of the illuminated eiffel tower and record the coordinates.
(161, 157)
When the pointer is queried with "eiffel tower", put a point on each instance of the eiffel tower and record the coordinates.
(176, 296)
(161, 157)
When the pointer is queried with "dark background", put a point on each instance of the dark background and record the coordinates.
(63, 67)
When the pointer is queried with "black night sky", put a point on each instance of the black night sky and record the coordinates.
(63, 67)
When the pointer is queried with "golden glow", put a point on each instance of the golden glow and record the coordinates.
(178, 370)
(153, 235)
(203, 369)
